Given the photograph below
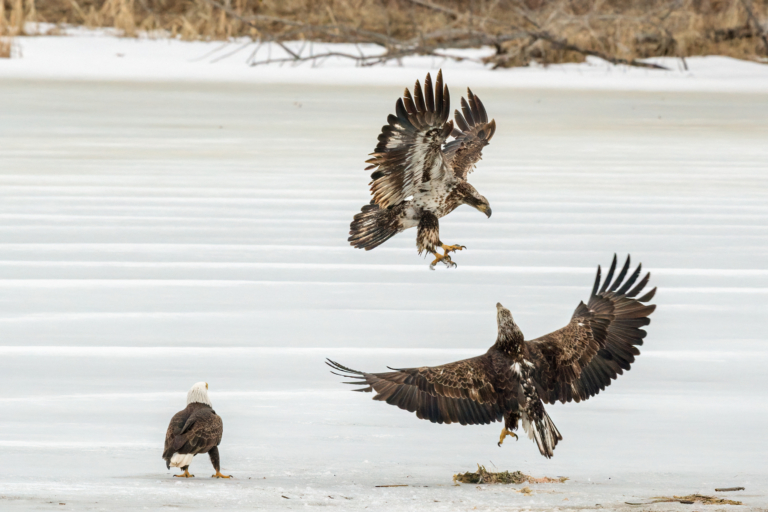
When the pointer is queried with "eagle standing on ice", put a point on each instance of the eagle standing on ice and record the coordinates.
(417, 179)
(196, 429)
(516, 377)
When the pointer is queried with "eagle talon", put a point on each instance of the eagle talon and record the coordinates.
(504, 434)
(452, 248)
(219, 475)
(438, 258)
(185, 474)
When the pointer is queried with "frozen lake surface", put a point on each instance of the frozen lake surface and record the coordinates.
(156, 235)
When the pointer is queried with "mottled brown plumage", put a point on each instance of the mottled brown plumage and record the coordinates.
(415, 176)
(195, 429)
(515, 378)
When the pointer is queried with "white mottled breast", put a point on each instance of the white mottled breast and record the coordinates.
(431, 196)
(411, 216)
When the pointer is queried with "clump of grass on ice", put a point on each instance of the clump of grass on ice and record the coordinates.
(483, 476)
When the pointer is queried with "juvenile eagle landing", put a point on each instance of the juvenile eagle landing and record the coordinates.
(420, 178)
(516, 377)
(196, 429)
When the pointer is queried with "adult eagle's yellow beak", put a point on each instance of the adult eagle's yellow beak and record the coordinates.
(206, 385)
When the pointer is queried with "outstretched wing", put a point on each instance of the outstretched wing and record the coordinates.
(581, 359)
(461, 392)
(473, 132)
(409, 151)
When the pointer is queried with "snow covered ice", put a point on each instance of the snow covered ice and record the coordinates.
(153, 235)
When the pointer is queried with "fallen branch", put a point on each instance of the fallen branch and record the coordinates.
(565, 45)
(695, 498)
(424, 44)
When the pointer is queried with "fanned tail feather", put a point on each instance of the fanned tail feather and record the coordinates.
(373, 226)
(543, 432)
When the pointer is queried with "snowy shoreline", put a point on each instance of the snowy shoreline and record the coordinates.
(98, 55)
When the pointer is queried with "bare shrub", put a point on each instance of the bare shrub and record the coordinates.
(522, 31)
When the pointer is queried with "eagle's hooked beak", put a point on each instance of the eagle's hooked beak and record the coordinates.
(206, 385)
(486, 209)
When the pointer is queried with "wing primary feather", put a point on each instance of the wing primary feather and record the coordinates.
(429, 94)
(408, 101)
(473, 106)
(418, 96)
(337, 366)
(597, 283)
(481, 109)
(439, 93)
(460, 121)
(467, 112)
(402, 113)
(609, 277)
(621, 275)
(648, 296)
(637, 289)
(631, 280)
(446, 103)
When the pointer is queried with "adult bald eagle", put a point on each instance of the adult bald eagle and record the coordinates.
(196, 429)
(516, 377)
(420, 178)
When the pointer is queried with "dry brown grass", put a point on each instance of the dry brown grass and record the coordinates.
(627, 29)
(483, 476)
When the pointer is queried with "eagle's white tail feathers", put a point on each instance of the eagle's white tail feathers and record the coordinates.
(543, 432)
(179, 460)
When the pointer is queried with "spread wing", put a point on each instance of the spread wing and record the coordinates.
(600, 342)
(461, 392)
(201, 431)
(473, 132)
(409, 150)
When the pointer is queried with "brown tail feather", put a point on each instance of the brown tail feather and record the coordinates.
(373, 226)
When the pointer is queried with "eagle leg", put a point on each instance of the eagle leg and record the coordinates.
(441, 257)
(451, 248)
(219, 475)
(505, 433)
(185, 474)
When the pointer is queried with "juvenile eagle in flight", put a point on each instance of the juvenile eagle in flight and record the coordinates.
(516, 377)
(196, 429)
(420, 178)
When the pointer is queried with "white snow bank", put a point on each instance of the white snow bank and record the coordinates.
(100, 55)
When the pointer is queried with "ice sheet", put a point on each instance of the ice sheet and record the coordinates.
(155, 235)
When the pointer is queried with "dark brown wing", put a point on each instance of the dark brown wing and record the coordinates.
(174, 429)
(581, 359)
(473, 132)
(409, 151)
(201, 432)
(470, 392)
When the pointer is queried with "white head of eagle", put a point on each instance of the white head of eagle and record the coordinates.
(199, 394)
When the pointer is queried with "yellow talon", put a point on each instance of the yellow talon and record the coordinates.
(505, 433)
(185, 474)
(441, 257)
(452, 248)
(219, 475)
